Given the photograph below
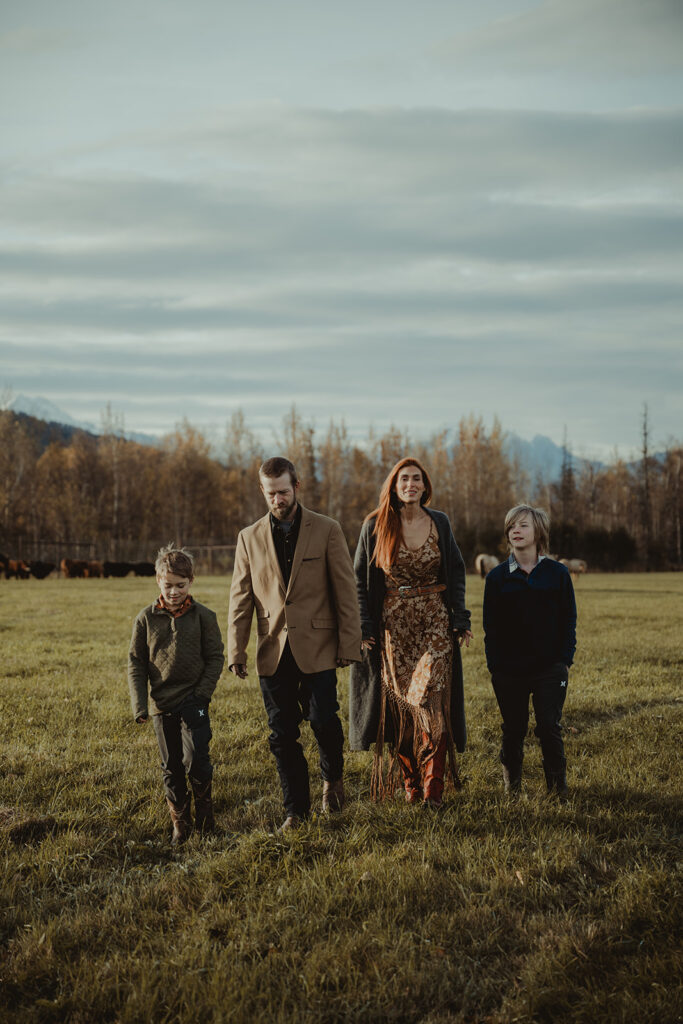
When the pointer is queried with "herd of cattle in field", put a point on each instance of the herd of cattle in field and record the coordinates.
(71, 568)
(484, 563)
(74, 568)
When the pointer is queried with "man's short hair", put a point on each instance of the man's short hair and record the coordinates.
(275, 467)
(541, 520)
(177, 560)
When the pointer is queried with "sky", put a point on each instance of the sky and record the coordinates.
(389, 213)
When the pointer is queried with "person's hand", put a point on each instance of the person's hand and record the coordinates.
(239, 670)
(141, 719)
(367, 645)
(464, 636)
(343, 662)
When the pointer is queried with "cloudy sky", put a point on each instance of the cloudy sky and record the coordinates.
(389, 212)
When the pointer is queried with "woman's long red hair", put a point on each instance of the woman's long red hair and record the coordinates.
(387, 532)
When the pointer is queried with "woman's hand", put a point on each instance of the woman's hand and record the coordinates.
(464, 636)
(367, 645)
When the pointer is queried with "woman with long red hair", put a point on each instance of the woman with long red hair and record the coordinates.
(408, 690)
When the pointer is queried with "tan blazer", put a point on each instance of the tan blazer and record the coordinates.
(318, 612)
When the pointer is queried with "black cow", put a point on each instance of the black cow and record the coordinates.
(41, 569)
(116, 569)
(144, 569)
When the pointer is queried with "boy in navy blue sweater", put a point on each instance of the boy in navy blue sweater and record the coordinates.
(530, 639)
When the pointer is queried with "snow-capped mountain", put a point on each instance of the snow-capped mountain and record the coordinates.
(43, 409)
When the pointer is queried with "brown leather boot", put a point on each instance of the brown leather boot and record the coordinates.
(433, 774)
(203, 806)
(411, 778)
(333, 796)
(182, 820)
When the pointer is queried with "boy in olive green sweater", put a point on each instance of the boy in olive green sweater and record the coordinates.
(174, 663)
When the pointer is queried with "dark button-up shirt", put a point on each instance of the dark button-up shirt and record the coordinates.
(285, 537)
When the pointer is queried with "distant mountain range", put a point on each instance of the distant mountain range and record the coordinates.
(542, 457)
(44, 409)
(539, 457)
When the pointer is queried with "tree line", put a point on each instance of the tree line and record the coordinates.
(121, 499)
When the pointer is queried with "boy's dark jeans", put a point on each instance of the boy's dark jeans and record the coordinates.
(289, 697)
(547, 691)
(183, 737)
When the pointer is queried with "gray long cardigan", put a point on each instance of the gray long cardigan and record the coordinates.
(366, 686)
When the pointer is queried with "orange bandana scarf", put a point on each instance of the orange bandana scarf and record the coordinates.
(175, 612)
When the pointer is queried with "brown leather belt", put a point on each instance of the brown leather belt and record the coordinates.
(416, 591)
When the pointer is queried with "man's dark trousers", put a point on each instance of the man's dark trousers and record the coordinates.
(290, 696)
(183, 737)
(548, 691)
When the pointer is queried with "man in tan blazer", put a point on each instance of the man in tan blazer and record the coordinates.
(293, 568)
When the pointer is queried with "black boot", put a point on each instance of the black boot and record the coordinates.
(556, 779)
(512, 780)
(203, 806)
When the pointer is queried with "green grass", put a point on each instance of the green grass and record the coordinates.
(492, 911)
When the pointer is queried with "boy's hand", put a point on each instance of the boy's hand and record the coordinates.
(142, 718)
(239, 670)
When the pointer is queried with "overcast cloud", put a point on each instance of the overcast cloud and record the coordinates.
(402, 215)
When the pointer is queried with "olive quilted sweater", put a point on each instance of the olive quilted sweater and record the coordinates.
(178, 657)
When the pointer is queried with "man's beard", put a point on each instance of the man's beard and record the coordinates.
(282, 513)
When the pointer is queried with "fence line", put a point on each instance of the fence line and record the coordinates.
(210, 558)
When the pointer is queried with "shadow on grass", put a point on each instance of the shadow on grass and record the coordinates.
(583, 719)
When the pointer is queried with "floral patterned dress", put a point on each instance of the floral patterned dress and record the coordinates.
(417, 652)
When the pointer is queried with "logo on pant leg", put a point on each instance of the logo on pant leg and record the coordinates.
(201, 710)
(563, 683)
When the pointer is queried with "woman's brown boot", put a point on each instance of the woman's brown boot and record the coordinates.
(433, 774)
(411, 778)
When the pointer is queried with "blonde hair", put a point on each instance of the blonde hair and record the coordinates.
(177, 560)
(541, 520)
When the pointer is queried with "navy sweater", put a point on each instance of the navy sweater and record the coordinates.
(529, 621)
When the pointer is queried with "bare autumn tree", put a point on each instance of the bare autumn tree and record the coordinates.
(297, 443)
(243, 454)
(334, 470)
(191, 480)
(112, 448)
(18, 455)
(673, 502)
(645, 491)
(483, 486)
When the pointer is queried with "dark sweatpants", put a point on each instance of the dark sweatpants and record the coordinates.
(183, 737)
(547, 691)
(290, 696)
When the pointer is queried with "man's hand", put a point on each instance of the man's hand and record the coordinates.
(368, 644)
(239, 670)
(343, 663)
(464, 636)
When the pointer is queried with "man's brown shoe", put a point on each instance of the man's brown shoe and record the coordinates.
(333, 796)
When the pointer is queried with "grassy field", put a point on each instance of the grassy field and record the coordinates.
(491, 911)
